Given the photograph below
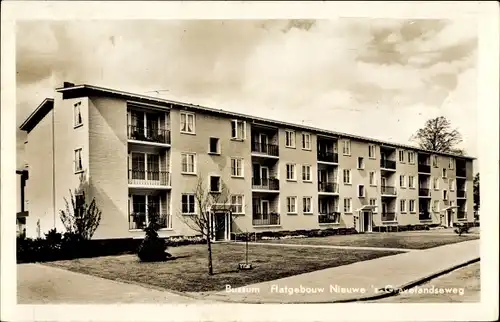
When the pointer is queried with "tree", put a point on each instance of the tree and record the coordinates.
(203, 222)
(437, 135)
(476, 191)
(80, 218)
(153, 248)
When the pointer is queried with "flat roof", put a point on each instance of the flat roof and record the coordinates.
(82, 90)
(37, 115)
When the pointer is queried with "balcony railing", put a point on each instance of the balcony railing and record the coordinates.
(148, 134)
(461, 214)
(328, 157)
(424, 192)
(460, 193)
(139, 220)
(389, 216)
(424, 215)
(424, 168)
(461, 172)
(388, 190)
(264, 148)
(330, 218)
(388, 164)
(149, 178)
(328, 187)
(265, 184)
(265, 219)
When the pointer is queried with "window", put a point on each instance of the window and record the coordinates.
(402, 182)
(238, 130)
(307, 205)
(373, 202)
(412, 206)
(237, 167)
(451, 163)
(77, 114)
(237, 203)
(402, 205)
(214, 146)
(444, 173)
(290, 139)
(452, 185)
(188, 163)
(188, 204)
(306, 173)
(445, 195)
(347, 205)
(78, 160)
(373, 178)
(306, 141)
(347, 176)
(291, 203)
(346, 149)
(290, 171)
(371, 151)
(436, 183)
(411, 182)
(215, 184)
(361, 191)
(411, 157)
(187, 122)
(435, 161)
(361, 163)
(401, 156)
(435, 206)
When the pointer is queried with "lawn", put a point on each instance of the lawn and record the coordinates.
(389, 240)
(188, 273)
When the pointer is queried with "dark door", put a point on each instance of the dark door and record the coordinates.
(366, 221)
(450, 224)
(220, 226)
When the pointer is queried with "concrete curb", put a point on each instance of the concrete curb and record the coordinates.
(395, 291)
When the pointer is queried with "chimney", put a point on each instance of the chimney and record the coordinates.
(68, 84)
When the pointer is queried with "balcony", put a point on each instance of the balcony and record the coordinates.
(424, 168)
(264, 148)
(266, 219)
(331, 157)
(265, 184)
(424, 215)
(388, 191)
(424, 192)
(330, 218)
(149, 178)
(138, 220)
(461, 194)
(461, 172)
(330, 187)
(389, 216)
(145, 134)
(388, 164)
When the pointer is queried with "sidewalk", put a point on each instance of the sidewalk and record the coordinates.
(361, 280)
(42, 284)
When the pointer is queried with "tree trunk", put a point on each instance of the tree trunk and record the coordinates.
(209, 246)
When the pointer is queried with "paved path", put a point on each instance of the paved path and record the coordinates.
(357, 280)
(41, 284)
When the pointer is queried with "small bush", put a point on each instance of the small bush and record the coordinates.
(153, 248)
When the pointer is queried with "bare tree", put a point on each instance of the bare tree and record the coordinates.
(208, 203)
(437, 135)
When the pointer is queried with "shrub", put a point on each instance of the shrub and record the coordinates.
(153, 248)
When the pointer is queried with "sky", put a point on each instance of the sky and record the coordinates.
(381, 78)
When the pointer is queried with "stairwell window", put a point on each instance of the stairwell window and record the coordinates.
(215, 185)
(290, 172)
(237, 167)
(445, 174)
(361, 163)
(373, 202)
(238, 131)
(187, 123)
(188, 163)
(188, 204)
(347, 176)
(214, 147)
(77, 113)
(435, 206)
(435, 161)
(452, 185)
(361, 191)
(347, 205)
(451, 163)
(237, 204)
(290, 139)
(373, 178)
(435, 183)
(291, 203)
(402, 206)
(307, 205)
(346, 148)
(371, 151)
(445, 195)
(78, 160)
(306, 141)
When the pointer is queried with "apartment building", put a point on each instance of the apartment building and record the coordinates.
(138, 155)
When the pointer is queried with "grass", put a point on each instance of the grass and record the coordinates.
(389, 240)
(188, 273)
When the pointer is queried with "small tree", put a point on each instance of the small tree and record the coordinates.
(153, 248)
(80, 218)
(437, 135)
(208, 203)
